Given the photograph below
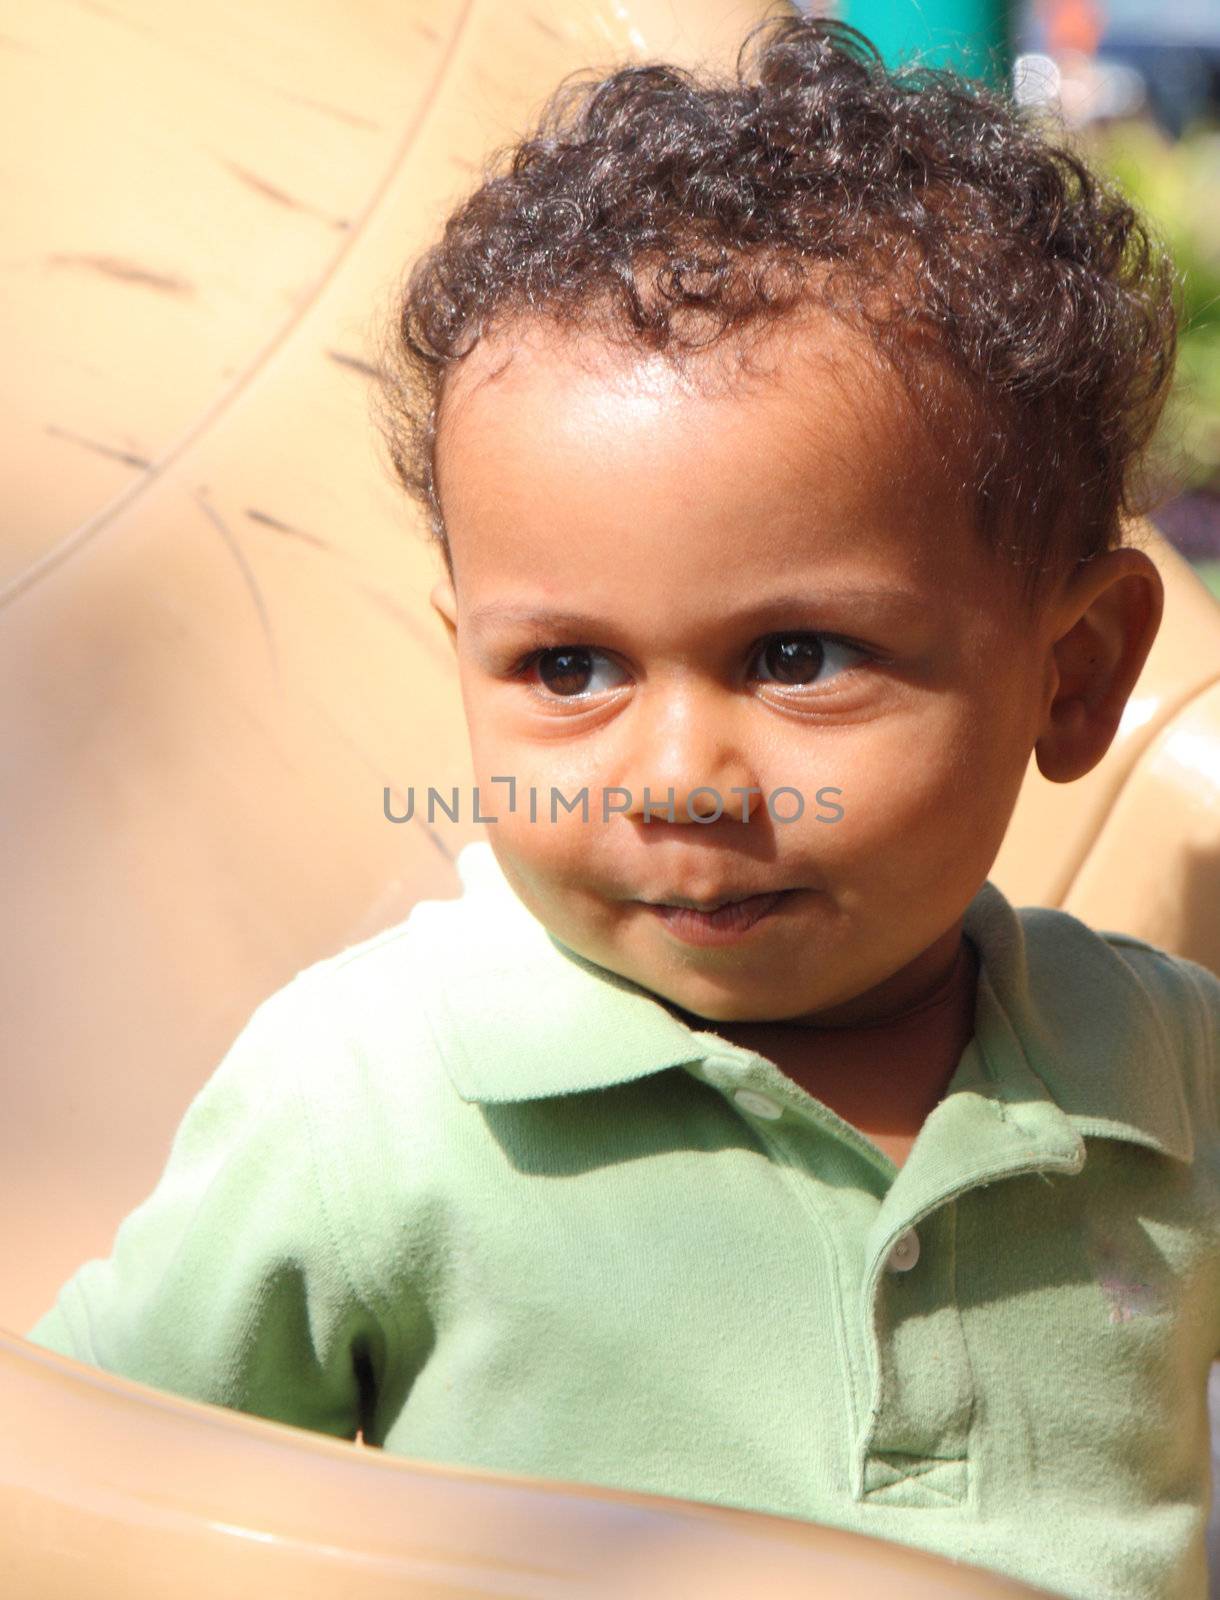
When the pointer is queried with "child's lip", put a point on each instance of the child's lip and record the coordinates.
(679, 902)
(733, 919)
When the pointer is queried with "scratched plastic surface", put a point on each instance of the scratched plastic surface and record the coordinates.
(111, 1489)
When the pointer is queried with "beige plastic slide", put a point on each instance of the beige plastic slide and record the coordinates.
(218, 652)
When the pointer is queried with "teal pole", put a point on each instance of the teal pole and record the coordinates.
(971, 36)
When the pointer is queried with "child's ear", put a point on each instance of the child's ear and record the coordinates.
(444, 602)
(1112, 612)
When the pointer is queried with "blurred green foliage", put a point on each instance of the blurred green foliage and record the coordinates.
(1176, 185)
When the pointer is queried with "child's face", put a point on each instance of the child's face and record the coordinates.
(683, 531)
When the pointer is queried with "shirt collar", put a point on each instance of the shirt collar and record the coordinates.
(517, 1015)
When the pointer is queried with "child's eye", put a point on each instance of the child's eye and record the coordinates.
(566, 672)
(796, 659)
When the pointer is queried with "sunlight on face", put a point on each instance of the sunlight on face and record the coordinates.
(763, 583)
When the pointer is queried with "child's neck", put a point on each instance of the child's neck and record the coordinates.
(883, 1076)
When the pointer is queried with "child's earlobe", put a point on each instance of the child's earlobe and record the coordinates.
(1098, 660)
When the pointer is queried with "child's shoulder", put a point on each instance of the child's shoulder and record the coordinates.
(1181, 977)
(448, 941)
(1128, 995)
(1064, 945)
(1181, 988)
(1174, 983)
(398, 995)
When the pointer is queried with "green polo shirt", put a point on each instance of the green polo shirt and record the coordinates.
(497, 1206)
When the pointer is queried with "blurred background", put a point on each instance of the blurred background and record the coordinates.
(1137, 88)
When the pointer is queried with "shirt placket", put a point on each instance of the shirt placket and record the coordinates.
(914, 1447)
(892, 1235)
(839, 1179)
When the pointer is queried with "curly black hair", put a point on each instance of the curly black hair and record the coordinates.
(668, 208)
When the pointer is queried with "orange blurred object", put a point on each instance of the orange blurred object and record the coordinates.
(108, 1488)
(1073, 26)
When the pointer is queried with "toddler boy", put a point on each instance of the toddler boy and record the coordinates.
(732, 1137)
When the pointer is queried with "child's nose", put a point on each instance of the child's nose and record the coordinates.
(689, 742)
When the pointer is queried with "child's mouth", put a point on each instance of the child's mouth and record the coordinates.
(718, 927)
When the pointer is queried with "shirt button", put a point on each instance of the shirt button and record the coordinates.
(759, 1104)
(905, 1252)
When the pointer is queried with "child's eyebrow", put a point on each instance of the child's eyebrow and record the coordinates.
(897, 602)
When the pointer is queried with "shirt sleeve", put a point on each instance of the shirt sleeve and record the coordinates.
(226, 1284)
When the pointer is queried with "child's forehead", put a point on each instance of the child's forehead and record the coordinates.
(527, 349)
(822, 377)
(829, 477)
